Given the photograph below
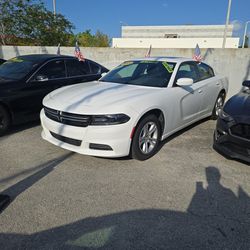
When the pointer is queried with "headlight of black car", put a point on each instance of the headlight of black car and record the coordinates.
(224, 116)
(114, 119)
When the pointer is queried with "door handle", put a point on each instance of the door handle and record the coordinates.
(200, 91)
(217, 83)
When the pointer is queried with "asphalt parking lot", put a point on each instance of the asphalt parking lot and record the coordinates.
(187, 196)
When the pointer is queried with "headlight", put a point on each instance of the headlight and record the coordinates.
(224, 116)
(245, 89)
(109, 119)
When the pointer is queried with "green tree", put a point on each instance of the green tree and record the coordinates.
(10, 12)
(86, 39)
(27, 22)
(101, 40)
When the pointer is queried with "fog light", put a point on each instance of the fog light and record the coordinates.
(218, 134)
(100, 147)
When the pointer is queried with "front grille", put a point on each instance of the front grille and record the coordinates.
(67, 118)
(241, 130)
(66, 139)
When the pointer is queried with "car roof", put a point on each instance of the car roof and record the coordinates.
(43, 57)
(166, 58)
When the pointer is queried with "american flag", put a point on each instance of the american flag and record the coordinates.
(197, 54)
(58, 50)
(149, 51)
(78, 53)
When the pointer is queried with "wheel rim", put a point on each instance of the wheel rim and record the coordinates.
(219, 105)
(148, 137)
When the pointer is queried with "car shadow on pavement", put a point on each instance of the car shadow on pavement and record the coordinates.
(216, 218)
(162, 143)
(9, 195)
(20, 127)
(180, 132)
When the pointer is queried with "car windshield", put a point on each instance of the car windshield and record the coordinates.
(143, 73)
(16, 68)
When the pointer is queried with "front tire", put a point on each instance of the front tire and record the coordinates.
(4, 120)
(146, 138)
(218, 106)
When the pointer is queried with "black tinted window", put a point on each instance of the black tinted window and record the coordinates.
(205, 71)
(16, 68)
(95, 68)
(52, 70)
(77, 68)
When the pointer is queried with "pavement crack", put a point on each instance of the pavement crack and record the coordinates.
(221, 231)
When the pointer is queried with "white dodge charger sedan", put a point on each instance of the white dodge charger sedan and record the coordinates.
(133, 107)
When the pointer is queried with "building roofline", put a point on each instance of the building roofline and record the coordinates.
(175, 26)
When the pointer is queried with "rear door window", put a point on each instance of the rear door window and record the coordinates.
(95, 68)
(77, 68)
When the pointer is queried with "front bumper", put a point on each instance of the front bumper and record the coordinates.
(232, 146)
(85, 140)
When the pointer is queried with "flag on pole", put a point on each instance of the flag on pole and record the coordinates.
(58, 49)
(78, 53)
(149, 51)
(197, 54)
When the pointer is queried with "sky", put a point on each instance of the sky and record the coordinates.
(108, 15)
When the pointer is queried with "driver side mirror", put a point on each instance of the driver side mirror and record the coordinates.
(184, 82)
(41, 78)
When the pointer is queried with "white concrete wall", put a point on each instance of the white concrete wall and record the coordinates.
(174, 42)
(233, 63)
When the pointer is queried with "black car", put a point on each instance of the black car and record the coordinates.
(2, 61)
(25, 80)
(232, 134)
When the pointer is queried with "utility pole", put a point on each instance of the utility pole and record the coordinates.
(227, 22)
(54, 7)
(245, 33)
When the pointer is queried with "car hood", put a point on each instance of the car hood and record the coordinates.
(4, 81)
(95, 96)
(239, 105)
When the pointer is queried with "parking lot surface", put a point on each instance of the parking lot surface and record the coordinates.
(186, 197)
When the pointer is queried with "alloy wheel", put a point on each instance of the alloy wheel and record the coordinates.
(219, 105)
(148, 137)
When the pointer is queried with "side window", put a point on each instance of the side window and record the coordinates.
(77, 68)
(52, 70)
(187, 70)
(95, 68)
(205, 71)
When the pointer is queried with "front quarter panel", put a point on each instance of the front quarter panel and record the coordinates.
(163, 100)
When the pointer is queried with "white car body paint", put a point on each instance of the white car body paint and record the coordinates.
(181, 106)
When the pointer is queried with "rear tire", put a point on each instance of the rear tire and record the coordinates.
(4, 120)
(218, 106)
(146, 138)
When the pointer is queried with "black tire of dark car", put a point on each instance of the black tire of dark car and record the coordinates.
(219, 101)
(4, 120)
(146, 138)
